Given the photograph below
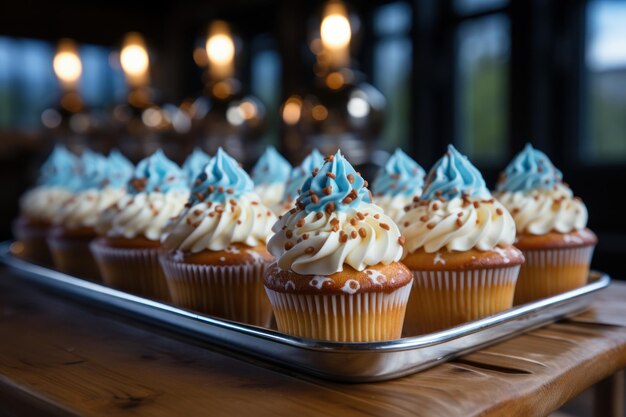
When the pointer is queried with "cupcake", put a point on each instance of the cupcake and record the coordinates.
(194, 164)
(551, 227)
(296, 180)
(127, 251)
(102, 184)
(459, 248)
(337, 275)
(397, 182)
(270, 175)
(38, 206)
(215, 254)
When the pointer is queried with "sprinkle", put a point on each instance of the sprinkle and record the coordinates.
(305, 236)
(406, 224)
(233, 202)
(331, 175)
(210, 189)
(365, 183)
(288, 245)
(360, 215)
(438, 193)
(476, 204)
(350, 178)
(220, 189)
(255, 203)
(198, 181)
(347, 200)
(401, 240)
(238, 221)
(353, 221)
(300, 223)
(315, 171)
(328, 190)
(288, 233)
(299, 191)
(384, 226)
(219, 208)
(377, 216)
(424, 218)
(353, 234)
(459, 214)
(315, 199)
(310, 250)
(499, 211)
(515, 210)
(431, 225)
(319, 215)
(212, 214)
(329, 158)
(435, 206)
(268, 213)
(330, 207)
(362, 232)
(197, 212)
(343, 238)
(199, 196)
(416, 199)
(459, 222)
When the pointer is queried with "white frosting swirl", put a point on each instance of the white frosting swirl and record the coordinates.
(393, 205)
(318, 243)
(459, 224)
(86, 207)
(541, 211)
(270, 194)
(42, 203)
(213, 226)
(142, 214)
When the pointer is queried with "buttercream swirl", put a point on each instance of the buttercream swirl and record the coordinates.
(271, 168)
(42, 203)
(400, 175)
(454, 176)
(320, 243)
(157, 173)
(221, 179)
(540, 211)
(393, 205)
(142, 214)
(531, 169)
(85, 208)
(336, 186)
(93, 173)
(119, 170)
(213, 226)
(299, 174)
(459, 224)
(194, 164)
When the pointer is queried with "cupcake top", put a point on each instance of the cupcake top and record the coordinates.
(400, 175)
(271, 168)
(156, 194)
(195, 163)
(299, 174)
(222, 210)
(532, 189)
(456, 211)
(118, 171)
(93, 171)
(61, 169)
(334, 224)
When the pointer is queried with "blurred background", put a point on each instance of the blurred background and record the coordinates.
(366, 76)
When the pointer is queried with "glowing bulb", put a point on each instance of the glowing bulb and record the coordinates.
(67, 65)
(292, 110)
(134, 59)
(220, 50)
(335, 31)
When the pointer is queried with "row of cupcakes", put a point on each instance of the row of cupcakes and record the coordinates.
(337, 273)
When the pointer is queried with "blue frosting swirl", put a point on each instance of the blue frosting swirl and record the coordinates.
(118, 170)
(221, 179)
(336, 183)
(157, 173)
(61, 169)
(195, 163)
(400, 175)
(299, 174)
(93, 171)
(271, 168)
(530, 169)
(454, 176)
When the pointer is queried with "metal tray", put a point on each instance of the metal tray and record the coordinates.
(350, 362)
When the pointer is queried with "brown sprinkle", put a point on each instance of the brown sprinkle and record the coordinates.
(210, 189)
(353, 234)
(362, 232)
(435, 206)
(347, 200)
(459, 222)
(499, 211)
(384, 226)
(424, 218)
(288, 233)
(310, 250)
(328, 190)
(431, 225)
(288, 245)
(315, 199)
(305, 236)
(401, 240)
(353, 221)
(377, 216)
(350, 178)
(230, 191)
(300, 223)
(360, 215)
(406, 224)
(331, 175)
(330, 207)
(343, 238)
(476, 204)
(319, 215)
(220, 189)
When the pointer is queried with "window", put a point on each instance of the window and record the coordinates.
(482, 82)
(392, 70)
(606, 81)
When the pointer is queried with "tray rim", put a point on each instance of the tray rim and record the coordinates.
(50, 277)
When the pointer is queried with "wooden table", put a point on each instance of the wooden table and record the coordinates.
(61, 357)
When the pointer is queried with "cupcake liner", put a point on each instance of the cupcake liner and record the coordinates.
(72, 256)
(133, 270)
(233, 292)
(362, 317)
(444, 299)
(552, 271)
(34, 244)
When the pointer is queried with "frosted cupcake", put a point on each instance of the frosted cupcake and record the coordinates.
(397, 182)
(551, 227)
(194, 164)
(270, 175)
(102, 184)
(296, 180)
(127, 253)
(58, 178)
(216, 252)
(337, 275)
(459, 247)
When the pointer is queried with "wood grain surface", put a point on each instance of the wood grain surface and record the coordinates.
(60, 357)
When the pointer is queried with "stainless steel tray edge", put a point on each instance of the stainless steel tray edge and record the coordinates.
(350, 362)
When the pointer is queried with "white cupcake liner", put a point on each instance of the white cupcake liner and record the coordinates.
(443, 299)
(72, 256)
(233, 292)
(132, 270)
(549, 272)
(362, 317)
